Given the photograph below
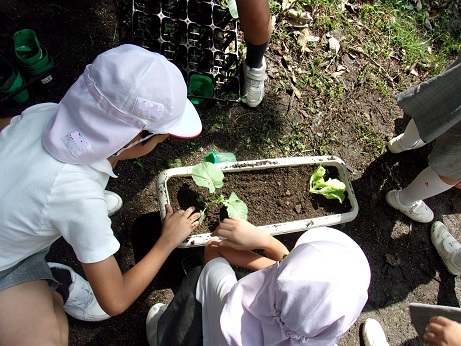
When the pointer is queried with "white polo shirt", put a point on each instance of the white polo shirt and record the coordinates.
(42, 199)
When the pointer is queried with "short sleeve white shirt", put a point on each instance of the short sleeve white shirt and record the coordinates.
(43, 199)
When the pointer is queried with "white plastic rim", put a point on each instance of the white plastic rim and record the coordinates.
(274, 229)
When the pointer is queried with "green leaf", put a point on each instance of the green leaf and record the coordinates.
(331, 189)
(207, 175)
(236, 207)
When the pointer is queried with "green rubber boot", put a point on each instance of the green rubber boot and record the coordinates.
(30, 53)
(11, 81)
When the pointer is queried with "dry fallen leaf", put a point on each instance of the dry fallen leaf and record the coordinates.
(303, 39)
(300, 16)
(286, 4)
(392, 260)
(337, 74)
(334, 45)
(297, 92)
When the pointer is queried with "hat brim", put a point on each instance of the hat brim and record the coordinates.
(190, 125)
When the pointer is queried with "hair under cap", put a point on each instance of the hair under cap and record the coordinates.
(125, 90)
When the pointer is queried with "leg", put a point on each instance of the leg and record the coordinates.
(255, 20)
(408, 140)
(30, 314)
(410, 199)
(215, 281)
(443, 173)
(427, 184)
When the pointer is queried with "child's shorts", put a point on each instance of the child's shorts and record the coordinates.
(29, 269)
(445, 157)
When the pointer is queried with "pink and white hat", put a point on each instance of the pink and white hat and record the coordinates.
(125, 90)
(311, 297)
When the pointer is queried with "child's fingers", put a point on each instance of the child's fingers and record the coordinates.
(440, 320)
(169, 210)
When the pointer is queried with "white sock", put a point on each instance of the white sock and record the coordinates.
(425, 185)
(411, 135)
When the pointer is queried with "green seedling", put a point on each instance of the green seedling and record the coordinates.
(331, 189)
(207, 175)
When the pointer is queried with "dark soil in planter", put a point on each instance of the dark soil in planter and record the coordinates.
(273, 195)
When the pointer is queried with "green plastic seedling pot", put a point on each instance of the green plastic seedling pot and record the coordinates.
(200, 86)
(215, 157)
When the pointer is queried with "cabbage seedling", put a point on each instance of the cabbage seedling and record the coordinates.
(331, 189)
(207, 175)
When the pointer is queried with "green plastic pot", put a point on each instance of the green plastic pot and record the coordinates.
(200, 88)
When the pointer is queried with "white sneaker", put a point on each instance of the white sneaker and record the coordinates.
(82, 303)
(395, 146)
(447, 246)
(253, 87)
(373, 333)
(418, 211)
(152, 321)
(114, 202)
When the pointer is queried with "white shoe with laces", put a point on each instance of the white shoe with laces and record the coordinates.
(82, 303)
(253, 87)
(447, 246)
(373, 333)
(418, 211)
(114, 202)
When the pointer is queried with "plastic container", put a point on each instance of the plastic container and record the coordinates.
(280, 228)
(200, 37)
(216, 157)
(200, 88)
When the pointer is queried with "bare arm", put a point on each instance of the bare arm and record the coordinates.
(242, 237)
(116, 291)
(241, 258)
(4, 122)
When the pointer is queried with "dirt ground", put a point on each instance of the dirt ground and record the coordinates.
(405, 266)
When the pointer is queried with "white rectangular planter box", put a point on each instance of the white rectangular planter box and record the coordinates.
(274, 229)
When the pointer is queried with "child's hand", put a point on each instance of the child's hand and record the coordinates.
(241, 235)
(179, 225)
(442, 331)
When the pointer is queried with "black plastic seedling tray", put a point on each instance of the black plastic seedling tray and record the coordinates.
(199, 37)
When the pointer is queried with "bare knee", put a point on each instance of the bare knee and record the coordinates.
(449, 181)
(31, 315)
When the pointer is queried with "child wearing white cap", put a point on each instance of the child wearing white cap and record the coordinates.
(311, 295)
(56, 161)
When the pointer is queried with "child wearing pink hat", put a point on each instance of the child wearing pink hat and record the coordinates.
(310, 295)
(56, 162)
